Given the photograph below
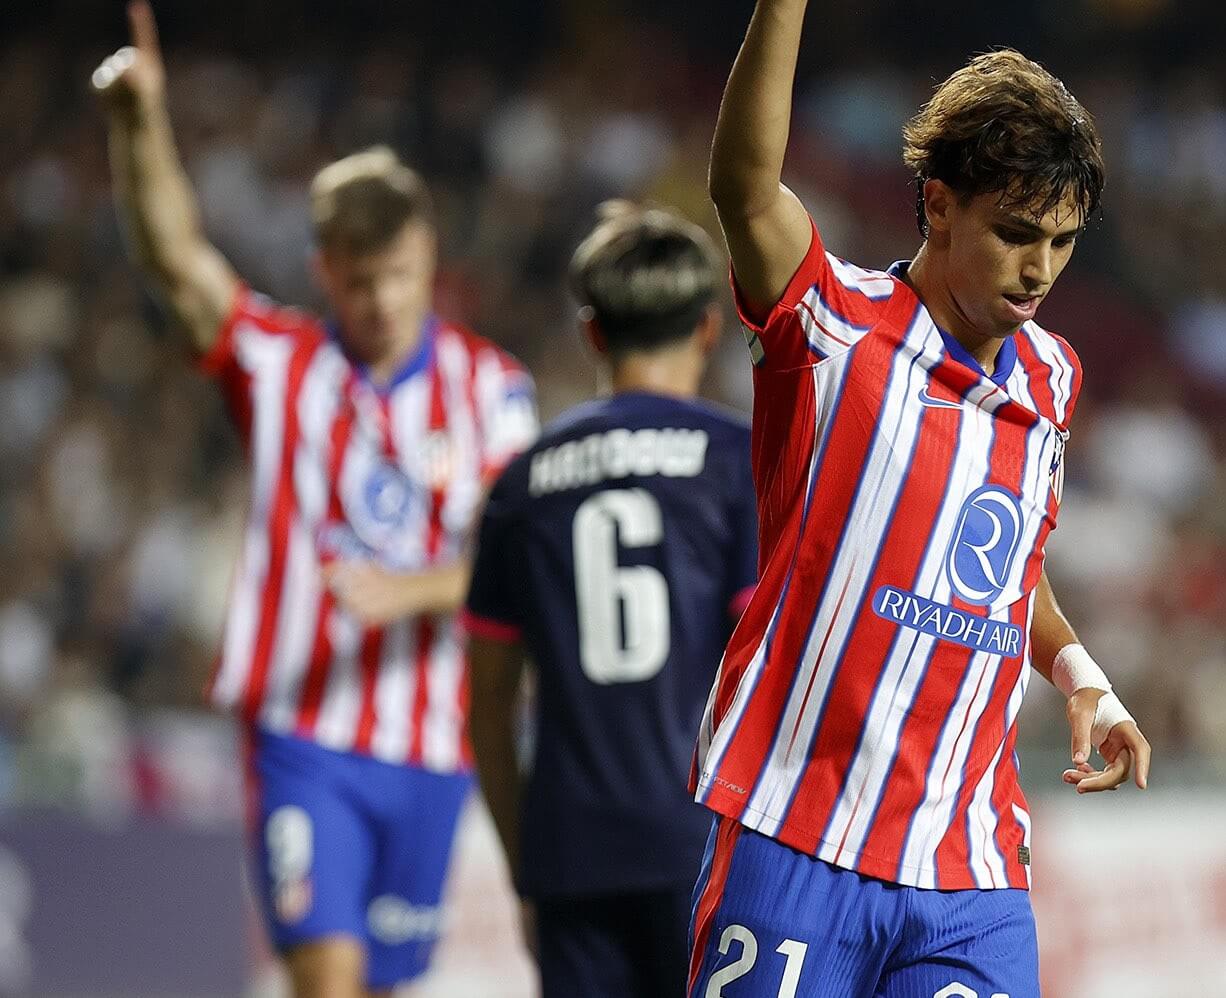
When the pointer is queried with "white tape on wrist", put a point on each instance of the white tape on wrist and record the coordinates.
(1109, 713)
(1073, 669)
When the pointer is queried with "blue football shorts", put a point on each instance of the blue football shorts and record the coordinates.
(348, 845)
(770, 922)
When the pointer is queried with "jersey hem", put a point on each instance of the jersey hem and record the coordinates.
(892, 872)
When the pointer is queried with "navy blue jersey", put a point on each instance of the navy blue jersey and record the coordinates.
(620, 549)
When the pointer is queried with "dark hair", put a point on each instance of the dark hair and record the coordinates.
(647, 275)
(1004, 124)
(360, 203)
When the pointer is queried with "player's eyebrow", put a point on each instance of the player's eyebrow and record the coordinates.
(1033, 229)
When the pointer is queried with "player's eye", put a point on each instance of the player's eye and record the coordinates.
(1015, 237)
(1060, 242)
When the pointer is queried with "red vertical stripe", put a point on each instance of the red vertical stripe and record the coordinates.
(368, 660)
(281, 514)
(708, 902)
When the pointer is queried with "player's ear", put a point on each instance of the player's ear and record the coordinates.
(592, 331)
(939, 202)
(320, 270)
(710, 326)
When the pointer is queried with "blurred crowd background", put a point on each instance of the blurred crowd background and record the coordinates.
(121, 484)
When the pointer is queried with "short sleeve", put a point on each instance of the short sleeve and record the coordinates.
(256, 333)
(507, 397)
(826, 307)
(491, 610)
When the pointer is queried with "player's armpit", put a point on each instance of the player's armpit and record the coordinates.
(766, 249)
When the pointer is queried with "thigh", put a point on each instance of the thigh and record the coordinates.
(415, 839)
(582, 948)
(967, 944)
(311, 847)
(770, 922)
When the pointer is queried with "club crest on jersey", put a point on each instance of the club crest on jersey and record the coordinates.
(986, 537)
(383, 508)
(1055, 474)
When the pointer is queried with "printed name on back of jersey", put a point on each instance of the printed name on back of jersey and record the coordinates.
(978, 565)
(620, 453)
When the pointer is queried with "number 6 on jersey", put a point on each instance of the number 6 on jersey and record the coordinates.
(623, 610)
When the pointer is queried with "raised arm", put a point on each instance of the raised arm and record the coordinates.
(767, 229)
(152, 191)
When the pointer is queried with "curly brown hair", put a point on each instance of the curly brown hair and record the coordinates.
(1003, 123)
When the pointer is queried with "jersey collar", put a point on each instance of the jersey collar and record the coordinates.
(416, 362)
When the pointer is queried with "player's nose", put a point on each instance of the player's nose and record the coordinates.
(1037, 270)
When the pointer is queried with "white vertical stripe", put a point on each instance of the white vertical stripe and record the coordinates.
(340, 709)
(319, 401)
(443, 724)
(295, 633)
(464, 486)
(266, 359)
(394, 691)
(869, 521)
(409, 412)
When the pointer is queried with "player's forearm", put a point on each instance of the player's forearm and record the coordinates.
(162, 220)
(492, 731)
(1049, 630)
(439, 590)
(751, 134)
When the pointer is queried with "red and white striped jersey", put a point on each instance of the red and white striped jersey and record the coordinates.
(866, 707)
(340, 469)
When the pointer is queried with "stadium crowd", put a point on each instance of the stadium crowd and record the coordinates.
(120, 480)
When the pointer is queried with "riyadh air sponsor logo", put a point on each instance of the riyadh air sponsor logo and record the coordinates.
(996, 637)
(936, 403)
(985, 542)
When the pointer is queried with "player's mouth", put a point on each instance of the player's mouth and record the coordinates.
(1023, 307)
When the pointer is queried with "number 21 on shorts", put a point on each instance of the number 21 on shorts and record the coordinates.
(794, 952)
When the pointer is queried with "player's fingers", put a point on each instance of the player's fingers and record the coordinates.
(1080, 773)
(1140, 749)
(144, 28)
(1111, 777)
(112, 68)
(1081, 721)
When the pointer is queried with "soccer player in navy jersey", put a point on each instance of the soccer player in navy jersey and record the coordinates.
(371, 440)
(615, 556)
(909, 425)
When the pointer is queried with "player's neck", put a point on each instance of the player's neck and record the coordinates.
(405, 344)
(926, 279)
(675, 372)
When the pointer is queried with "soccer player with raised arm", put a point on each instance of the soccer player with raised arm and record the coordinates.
(909, 425)
(616, 555)
(370, 441)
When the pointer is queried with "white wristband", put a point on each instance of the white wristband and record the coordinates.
(1073, 669)
(1109, 713)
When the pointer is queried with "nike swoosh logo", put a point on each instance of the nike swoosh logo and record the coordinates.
(935, 403)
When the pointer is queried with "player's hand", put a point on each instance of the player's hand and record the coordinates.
(134, 77)
(1123, 747)
(372, 594)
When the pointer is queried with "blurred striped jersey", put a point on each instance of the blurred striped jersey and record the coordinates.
(342, 470)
